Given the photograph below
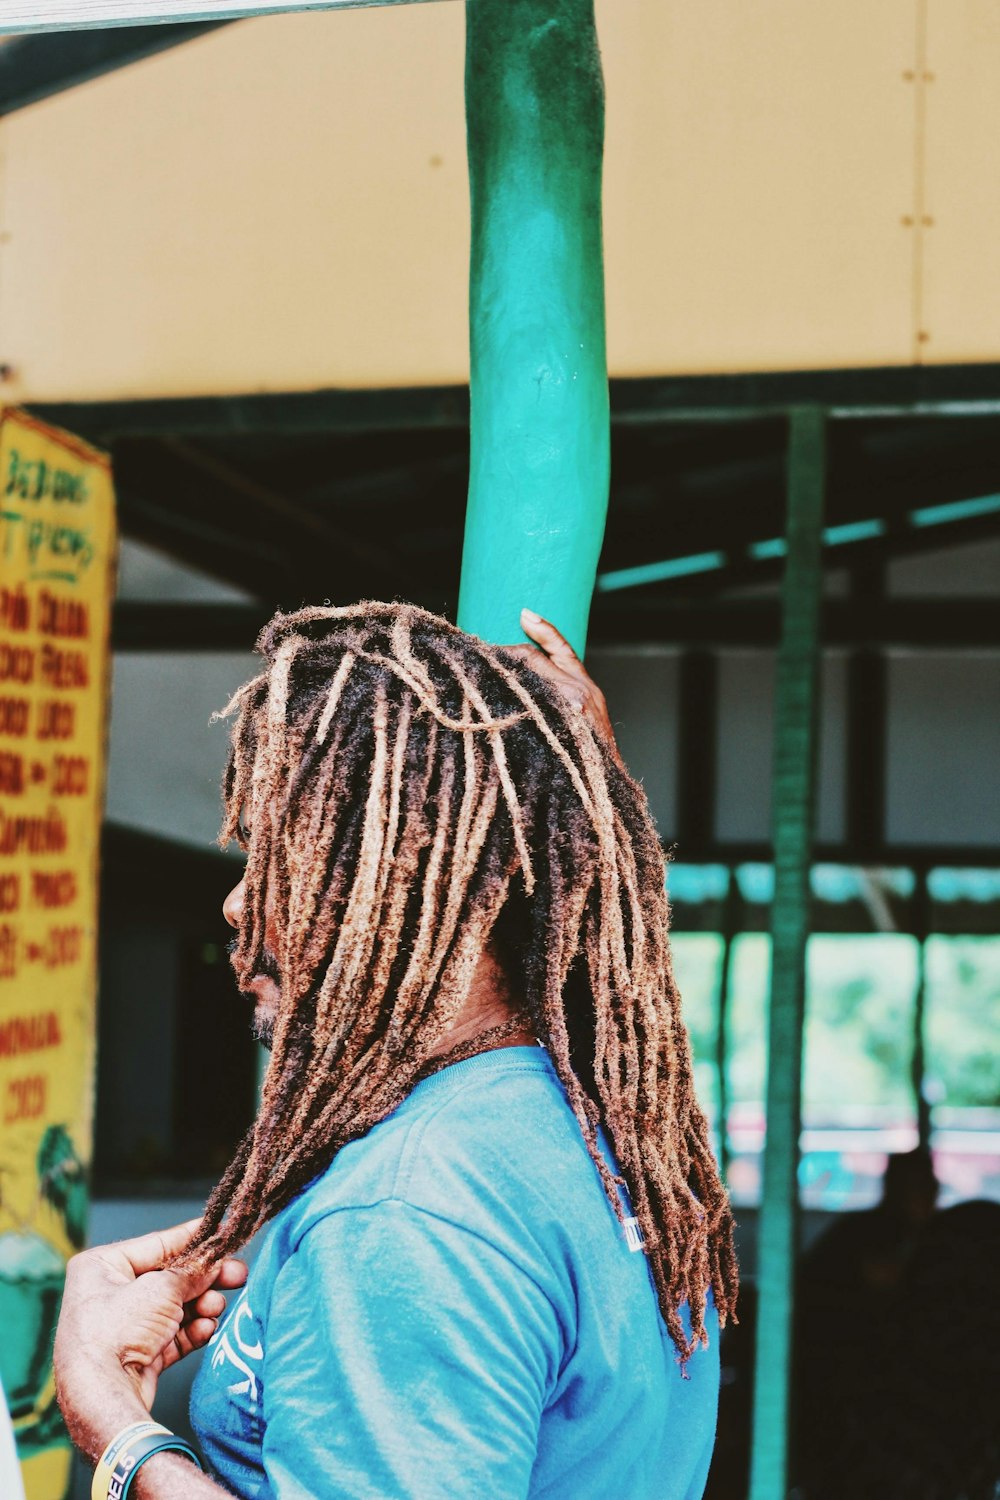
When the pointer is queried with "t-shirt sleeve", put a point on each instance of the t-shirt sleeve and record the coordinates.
(407, 1358)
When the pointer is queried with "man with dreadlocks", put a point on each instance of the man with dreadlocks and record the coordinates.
(498, 1247)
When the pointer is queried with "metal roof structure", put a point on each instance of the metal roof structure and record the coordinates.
(246, 487)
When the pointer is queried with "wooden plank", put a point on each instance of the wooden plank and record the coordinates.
(21, 16)
(941, 392)
(923, 625)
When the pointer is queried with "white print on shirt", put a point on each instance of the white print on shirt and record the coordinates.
(224, 1350)
(633, 1234)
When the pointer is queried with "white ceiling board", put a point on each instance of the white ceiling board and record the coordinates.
(17, 16)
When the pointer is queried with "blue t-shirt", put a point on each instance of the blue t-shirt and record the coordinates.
(453, 1310)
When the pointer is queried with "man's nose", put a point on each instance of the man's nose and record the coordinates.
(232, 907)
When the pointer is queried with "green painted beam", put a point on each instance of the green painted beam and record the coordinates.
(850, 534)
(540, 433)
(918, 1055)
(794, 781)
(731, 912)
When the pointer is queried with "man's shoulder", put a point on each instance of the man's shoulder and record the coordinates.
(494, 1147)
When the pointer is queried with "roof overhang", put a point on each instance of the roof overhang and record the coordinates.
(27, 16)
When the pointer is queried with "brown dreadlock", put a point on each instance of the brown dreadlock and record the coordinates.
(413, 794)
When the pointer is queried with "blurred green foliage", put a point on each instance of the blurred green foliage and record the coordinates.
(963, 1020)
(859, 1020)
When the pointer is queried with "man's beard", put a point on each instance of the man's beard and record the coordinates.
(262, 1028)
(262, 1022)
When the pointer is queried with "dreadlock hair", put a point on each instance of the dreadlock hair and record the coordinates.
(407, 794)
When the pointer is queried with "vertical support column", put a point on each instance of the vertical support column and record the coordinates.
(866, 731)
(730, 921)
(699, 753)
(794, 796)
(538, 482)
(918, 1055)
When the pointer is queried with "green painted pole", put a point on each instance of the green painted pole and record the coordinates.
(794, 778)
(918, 1056)
(730, 912)
(540, 439)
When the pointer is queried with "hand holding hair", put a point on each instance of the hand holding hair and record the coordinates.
(126, 1316)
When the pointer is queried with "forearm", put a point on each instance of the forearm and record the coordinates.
(128, 1314)
(165, 1476)
(171, 1476)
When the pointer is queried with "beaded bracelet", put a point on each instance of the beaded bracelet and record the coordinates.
(122, 1458)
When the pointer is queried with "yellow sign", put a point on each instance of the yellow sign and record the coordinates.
(57, 558)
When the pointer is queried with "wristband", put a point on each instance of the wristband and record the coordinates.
(121, 1459)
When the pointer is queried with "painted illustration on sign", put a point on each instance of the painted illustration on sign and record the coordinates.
(57, 555)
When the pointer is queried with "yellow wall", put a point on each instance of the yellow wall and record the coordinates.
(281, 204)
(960, 287)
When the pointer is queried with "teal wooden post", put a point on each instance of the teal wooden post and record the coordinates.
(918, 1056)
(794, 792)
(538, 481)
(730, 913)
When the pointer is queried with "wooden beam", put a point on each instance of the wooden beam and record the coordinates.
(380, 563)
(282, 412)
(140, 628)
(723, 565)
(698, 748)
(934, 624)
(965, 390)
(946, 391)
(22, 16)
(867, 722)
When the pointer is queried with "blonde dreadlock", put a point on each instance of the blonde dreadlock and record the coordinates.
(414, 794)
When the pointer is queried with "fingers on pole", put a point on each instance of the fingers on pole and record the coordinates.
(545, 634)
